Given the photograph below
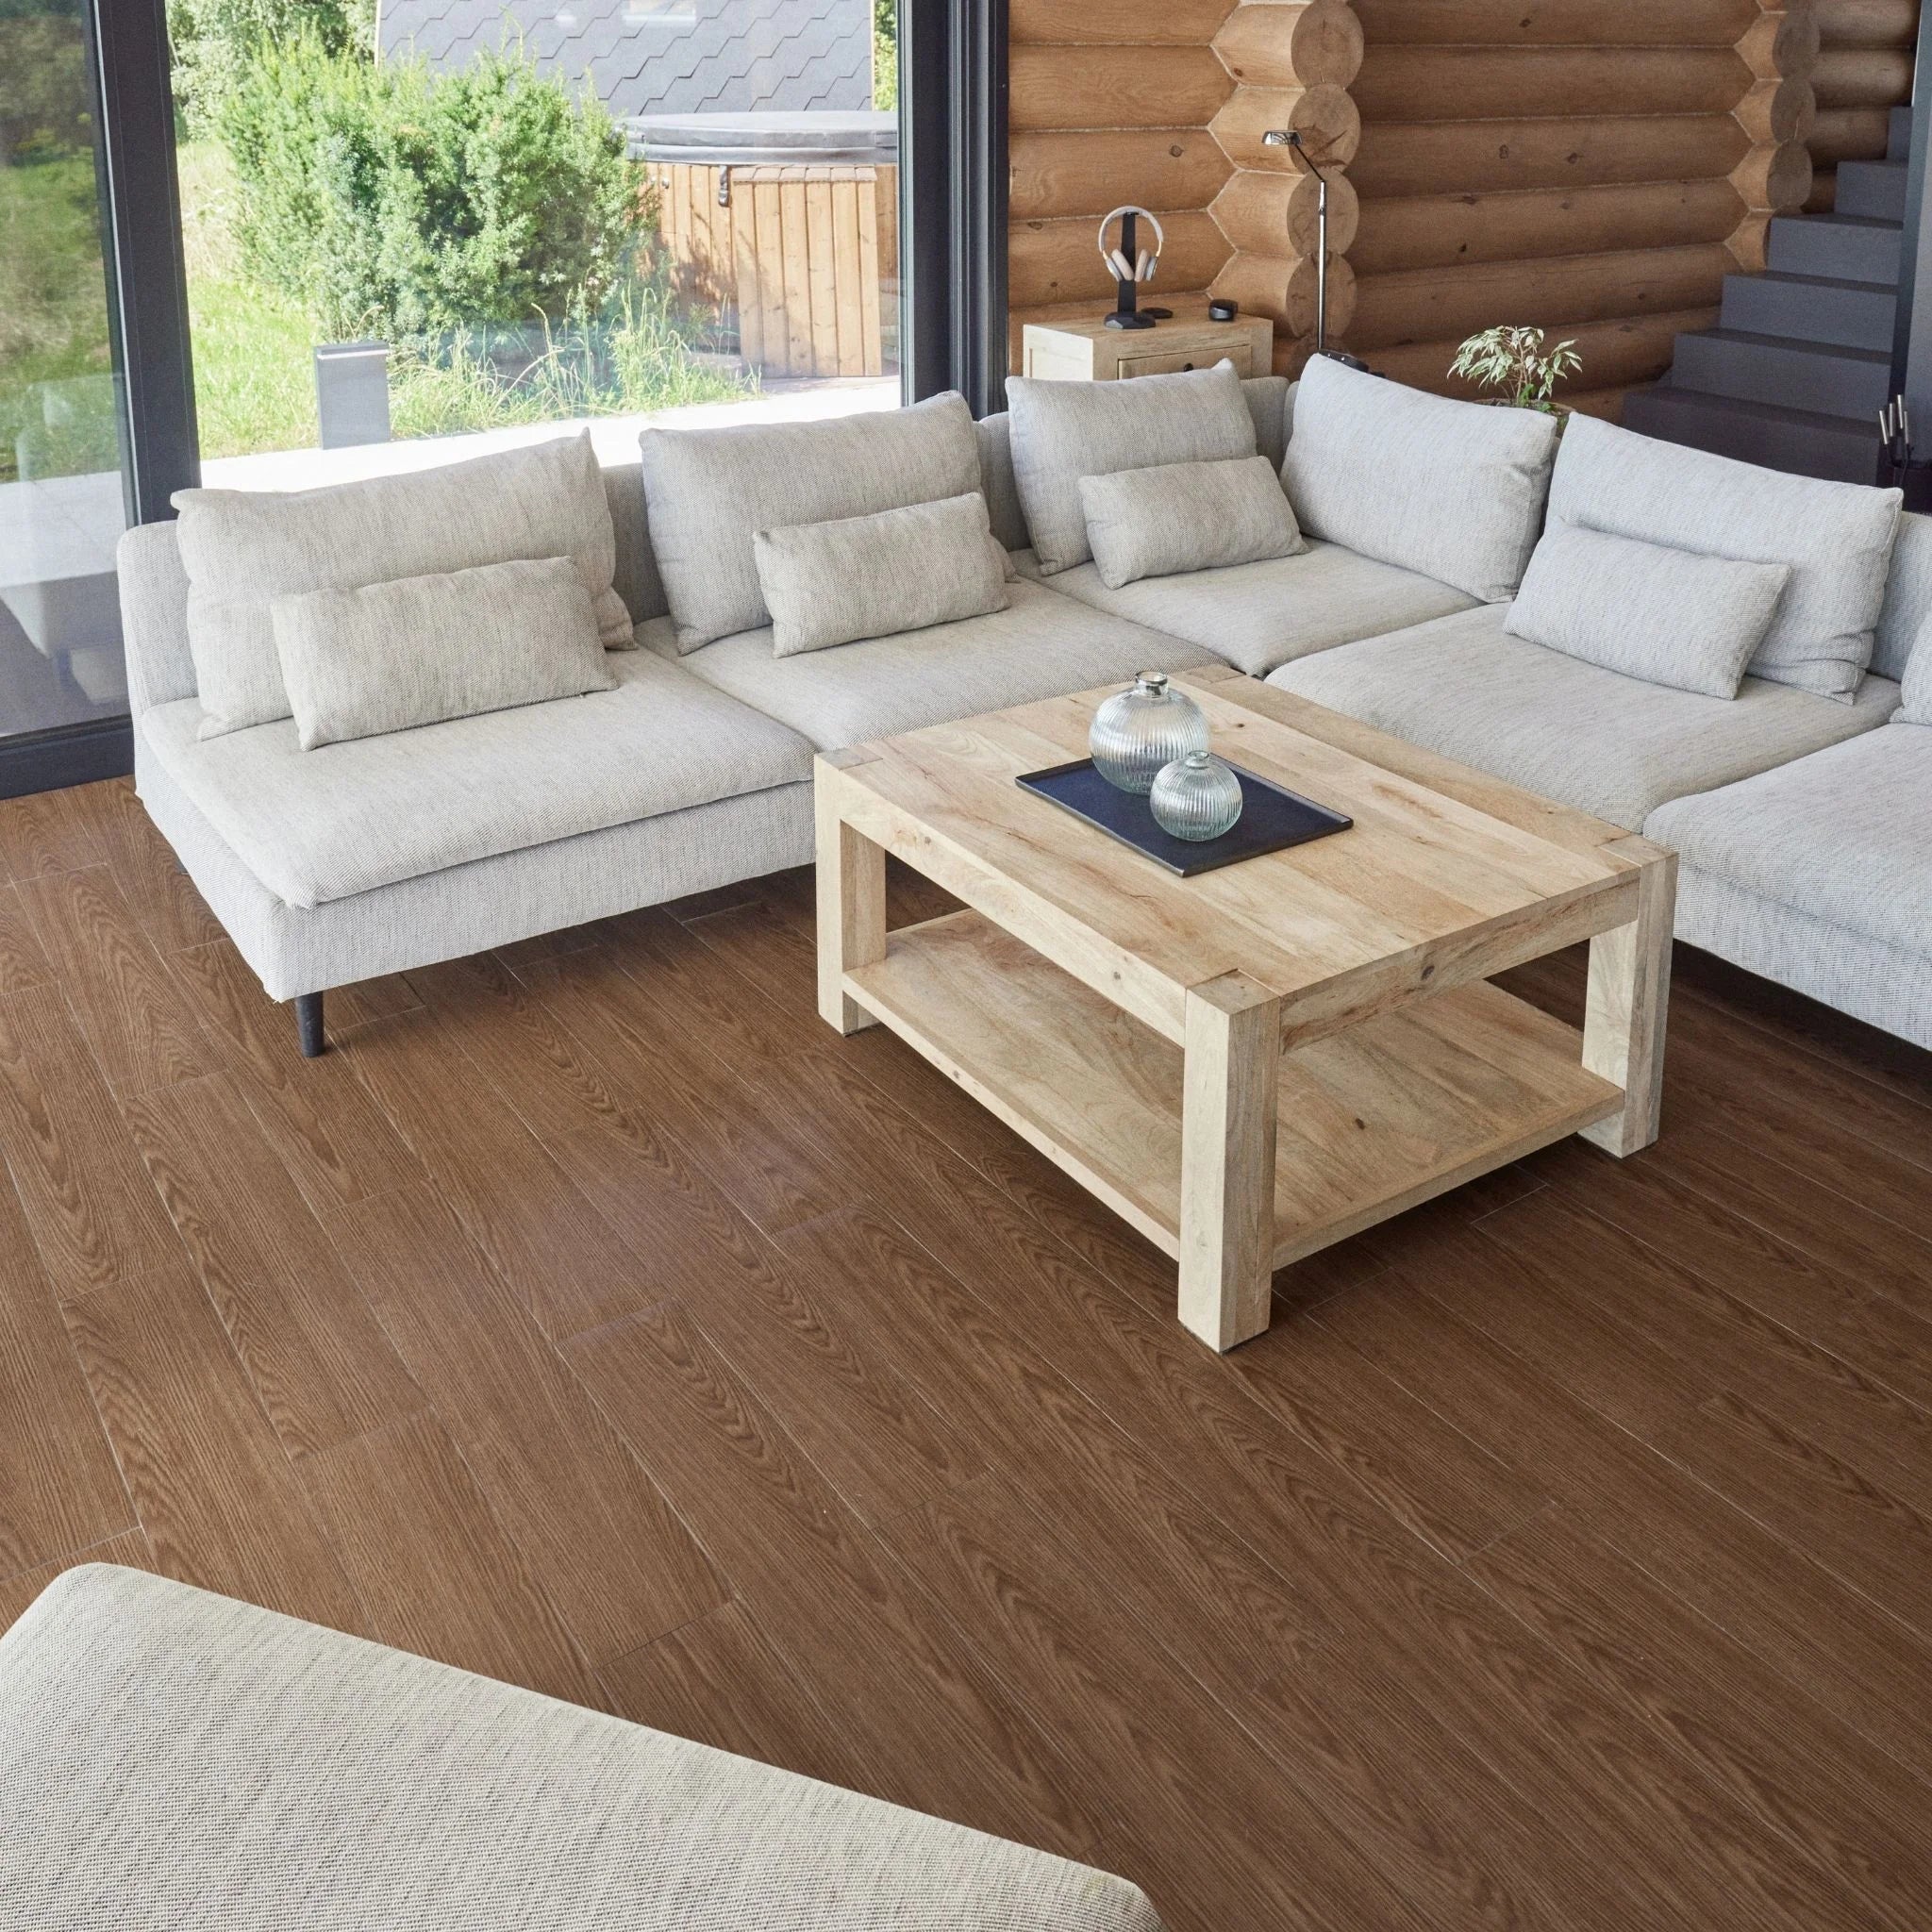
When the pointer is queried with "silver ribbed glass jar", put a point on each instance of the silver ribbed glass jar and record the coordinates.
(1136, 732)
(1197, 797)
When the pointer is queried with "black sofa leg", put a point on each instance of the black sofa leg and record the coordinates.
(308, 1024)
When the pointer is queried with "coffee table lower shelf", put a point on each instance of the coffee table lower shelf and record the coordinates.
(1370, 1121)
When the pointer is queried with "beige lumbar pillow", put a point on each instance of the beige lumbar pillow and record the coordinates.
(898, 570)
(389, 656)
(1177, 517)
(1062, 431)
(243, 549)
(1670, 617)
(709, 491)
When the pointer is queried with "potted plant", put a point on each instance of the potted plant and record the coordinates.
(1515, 361)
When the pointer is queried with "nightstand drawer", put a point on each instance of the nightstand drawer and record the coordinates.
(1239, 354)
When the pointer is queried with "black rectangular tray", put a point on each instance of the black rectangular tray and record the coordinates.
(1272, 818)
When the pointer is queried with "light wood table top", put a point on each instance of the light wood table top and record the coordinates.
(1346, 977)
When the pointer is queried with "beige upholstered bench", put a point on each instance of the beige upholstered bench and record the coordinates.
(172, 1759)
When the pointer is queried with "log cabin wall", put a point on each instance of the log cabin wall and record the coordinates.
(1864, 70)
(1110, 102)
(1593, 166)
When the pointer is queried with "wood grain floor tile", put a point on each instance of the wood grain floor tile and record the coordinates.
(23, 964)
(159, 893)
(60, 1487)
(544, 1236)
(211, 1486)
(47, 832)
(721, 1681)
(620, 1566)
(311, 1344)
(129, 1549)
(936, 1730)
(439, 1574)
(132, 1013)
(93, 1213)
(316, 1114)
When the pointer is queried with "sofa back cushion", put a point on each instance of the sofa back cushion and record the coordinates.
(1063, 431)
(1907, 606)
(874, 576)
(245, 548)
(421, 650)
(1666, 616)
(1453, 490)
(1837, 538)
(709, 491)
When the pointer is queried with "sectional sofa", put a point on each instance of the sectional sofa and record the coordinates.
(1803, 815)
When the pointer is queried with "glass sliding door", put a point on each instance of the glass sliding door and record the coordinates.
(62, 443)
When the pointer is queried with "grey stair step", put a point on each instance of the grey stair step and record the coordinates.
(1873, 190)
(1898, 142)
(1822, 378)
(1845, 247)
(1814, 309)
(1790, 440)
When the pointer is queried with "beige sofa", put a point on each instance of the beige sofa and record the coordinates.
(169, 1758)
(1804, 824)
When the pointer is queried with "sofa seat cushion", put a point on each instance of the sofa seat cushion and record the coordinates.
(1042, 645)
(1844, 835)
(325, 824)
(172, 1759)
(1610, 746)
(1259, 615)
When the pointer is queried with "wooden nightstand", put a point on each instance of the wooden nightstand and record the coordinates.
(1084, 349)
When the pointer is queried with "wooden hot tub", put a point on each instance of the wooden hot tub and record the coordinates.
(788, 227)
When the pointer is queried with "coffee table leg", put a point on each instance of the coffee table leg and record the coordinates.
(1629, 1002)
(1229, 1087)
(851, 908)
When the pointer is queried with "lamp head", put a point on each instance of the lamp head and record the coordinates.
(1282, 137)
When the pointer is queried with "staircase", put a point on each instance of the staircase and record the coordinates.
(1799, 366)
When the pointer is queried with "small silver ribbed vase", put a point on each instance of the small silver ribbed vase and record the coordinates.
(1136, 732)
(1197, 797)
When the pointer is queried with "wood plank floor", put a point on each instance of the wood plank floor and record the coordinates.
(593, 1317)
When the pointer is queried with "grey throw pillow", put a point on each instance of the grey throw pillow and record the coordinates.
(1666, 616)
(243, 549)
(710, 490)
(387, 656)
(1063, 431)
(1837, 538)
(896, 570)
(1185, 517)
(1917, 707)
(1453, 490)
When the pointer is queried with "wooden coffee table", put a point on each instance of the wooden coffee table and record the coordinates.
(1252, 1063)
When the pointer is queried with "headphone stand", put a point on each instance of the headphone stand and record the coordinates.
(1127, 313)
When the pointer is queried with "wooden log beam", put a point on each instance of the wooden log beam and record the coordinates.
(1326, 117)
(1629, 349)
(1114, 87)
(1317, 44)
(1436, 304)
(1425, 157)
(1869, 23)
(1399, 83)
(1863, 76)
(1782, 43)
(1778, 177)
(1275, 214)
(1775, 111)
(1848, 134)
(1555, 22)
(1438, 230)
(1056, 262)
(1157, 23)
(1086, 173)
(1284, 289)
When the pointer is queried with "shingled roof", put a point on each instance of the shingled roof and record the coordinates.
(679, 56)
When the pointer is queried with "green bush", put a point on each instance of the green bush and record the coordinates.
(213, 41)
(389, 202)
